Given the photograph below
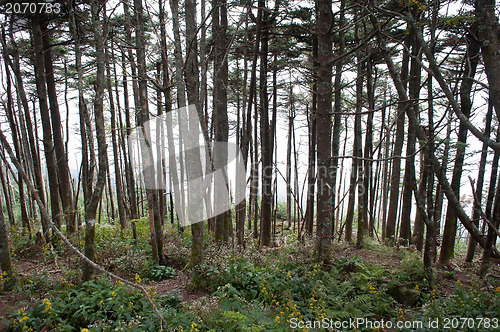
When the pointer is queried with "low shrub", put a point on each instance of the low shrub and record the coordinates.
(100, 305)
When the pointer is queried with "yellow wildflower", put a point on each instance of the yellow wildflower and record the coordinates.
(47, 304)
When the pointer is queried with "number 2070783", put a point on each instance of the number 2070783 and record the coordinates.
(32, 8)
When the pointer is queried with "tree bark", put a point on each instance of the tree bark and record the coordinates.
(265, 134)
(8, 277)
(221, 121)
(156, 236)
(358, 138)
(392, 213)
(324, 126)
(59, 147)
(96, 195)
(337, 109)
(114, 142)
(45, 118)
(193, 165)
(476, 215)
(409, 176)
(450, 227)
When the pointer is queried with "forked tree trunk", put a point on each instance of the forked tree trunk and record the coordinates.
(60, 151)
(45, 118)
(409, 177)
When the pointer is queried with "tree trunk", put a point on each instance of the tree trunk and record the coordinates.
(409, 177)
(114, 141)
(221, 121)
(324, 125)
(358, 139)
(59, 147)
(17, 147)
(450, 226)
(193, 165)
(396, 153)
(131, 188)
(96, 194)
(337, 109)
(476, 214)
(8, 276)
(492, 235)
(368, 152)
(45, 117)
(33, 141)
(489, 33)
(265, 136)
(156, 236)
(312, 125)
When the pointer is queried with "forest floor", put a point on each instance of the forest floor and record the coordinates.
(234, 289)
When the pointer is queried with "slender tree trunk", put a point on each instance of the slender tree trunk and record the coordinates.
(221, 121)
(8, 203)
(156, 236)
(324, 125)
(8, 276)
(409, 177)
(17, 145)
(368, 152)
(114, 142)
(194, 170)
(131, 184)
(438, 207)
(265, 136)
(358, 139)
(311, 168)
(289, 158)
(243, 136)
(491, 236)
(488, 33)
(33, 141)
(450, 227)
(386, 176)
(59, 147)
(254, 190)
(337, 108)
(45, 117)
(476, 215)
(96, 194)
(397, 152)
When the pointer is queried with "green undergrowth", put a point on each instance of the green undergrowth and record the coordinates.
(245, 289)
